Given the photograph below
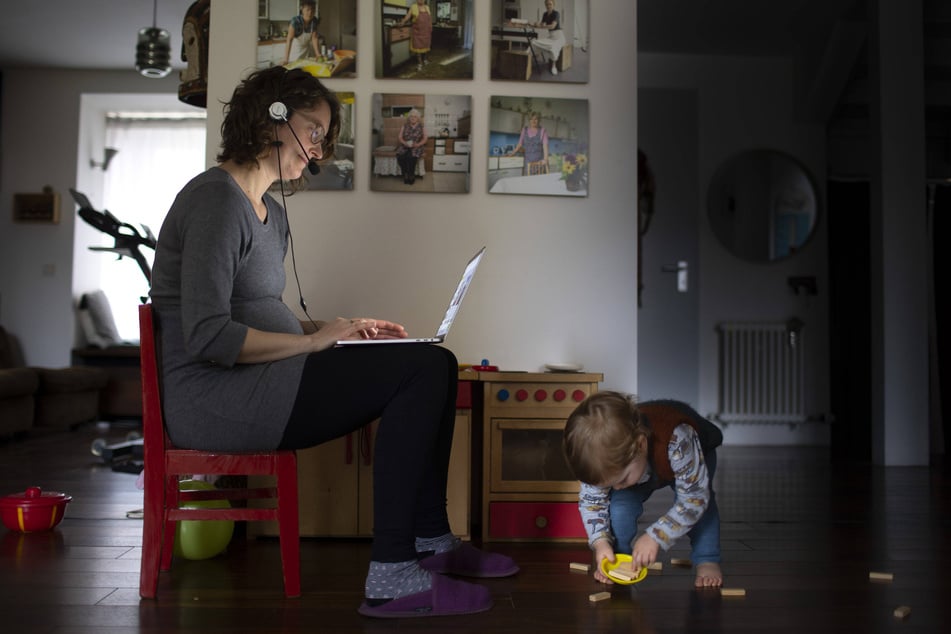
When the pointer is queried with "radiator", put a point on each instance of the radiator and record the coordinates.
(761, 373)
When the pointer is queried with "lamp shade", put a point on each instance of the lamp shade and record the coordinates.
(153, 53)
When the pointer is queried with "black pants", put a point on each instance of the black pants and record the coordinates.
(407, 163)
(412, 389)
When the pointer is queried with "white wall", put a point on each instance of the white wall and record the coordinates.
(558, 281)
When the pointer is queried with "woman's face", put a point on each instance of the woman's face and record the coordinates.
(549, 5)
(310, 126)
(534, 121)
(307, 12)
(413, 118)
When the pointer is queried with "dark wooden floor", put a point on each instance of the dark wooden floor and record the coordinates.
(798, 534)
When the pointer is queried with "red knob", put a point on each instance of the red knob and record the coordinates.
(521, 395)
(540, 395)
(577, 396)
(559, 395)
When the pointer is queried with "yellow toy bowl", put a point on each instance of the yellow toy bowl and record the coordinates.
(622, 571)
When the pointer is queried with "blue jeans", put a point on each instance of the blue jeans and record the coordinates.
(627, 505)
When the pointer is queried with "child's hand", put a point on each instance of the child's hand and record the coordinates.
(645, 551)
(602, 550)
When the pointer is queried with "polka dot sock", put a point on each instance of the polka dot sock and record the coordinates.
(437, 545)
(387, 581)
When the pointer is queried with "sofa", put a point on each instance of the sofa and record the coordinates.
(32, 397)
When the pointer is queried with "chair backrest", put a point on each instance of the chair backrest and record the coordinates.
(153, 426)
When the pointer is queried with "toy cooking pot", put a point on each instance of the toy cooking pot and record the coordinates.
(33, 510)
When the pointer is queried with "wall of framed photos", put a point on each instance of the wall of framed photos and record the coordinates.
(395, 252)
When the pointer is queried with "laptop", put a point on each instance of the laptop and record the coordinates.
(447, 319)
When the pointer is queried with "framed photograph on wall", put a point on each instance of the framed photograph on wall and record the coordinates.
(319, 36)
(538, 145)
(424, 39)
(40, 208)
(540, 40)
(336, 172)
(421, 142)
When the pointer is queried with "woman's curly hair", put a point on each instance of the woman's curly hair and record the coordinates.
(248, 130)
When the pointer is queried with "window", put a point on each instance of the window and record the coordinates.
(157, 155)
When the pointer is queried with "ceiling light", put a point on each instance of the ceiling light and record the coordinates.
(153, 52)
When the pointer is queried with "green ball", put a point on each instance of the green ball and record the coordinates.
(202, 539)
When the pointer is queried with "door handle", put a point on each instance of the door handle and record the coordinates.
(682, 271)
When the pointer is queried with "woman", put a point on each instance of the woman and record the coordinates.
(550, 46)
(422, 31)
(534, 142)
(240, 372)
(412, 146)
(302, 37)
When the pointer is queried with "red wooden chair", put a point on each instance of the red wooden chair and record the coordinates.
(165, 464)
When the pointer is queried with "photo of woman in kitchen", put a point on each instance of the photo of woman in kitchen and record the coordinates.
(426, 39)
(412, 146)
(538, 145)
(533, 143)
(540, 40)
(319, 36)
(420, 143)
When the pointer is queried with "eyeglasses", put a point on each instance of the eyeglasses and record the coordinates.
(317, 133)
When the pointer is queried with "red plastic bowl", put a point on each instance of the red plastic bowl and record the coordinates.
(33, 510)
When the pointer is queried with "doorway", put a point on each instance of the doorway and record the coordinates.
(667, 324)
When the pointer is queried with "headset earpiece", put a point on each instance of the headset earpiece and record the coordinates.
(278, 111)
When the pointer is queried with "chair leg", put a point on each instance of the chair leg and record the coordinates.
(168, 526)
(288, 528)
(153, 520)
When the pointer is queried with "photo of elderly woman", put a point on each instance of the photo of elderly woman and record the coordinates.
(540, 40)
(425, 39)
(319, 36)
(421, 143)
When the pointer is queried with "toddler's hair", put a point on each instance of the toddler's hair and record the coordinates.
(601, 436)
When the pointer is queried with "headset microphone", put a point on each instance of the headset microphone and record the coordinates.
(278, 112)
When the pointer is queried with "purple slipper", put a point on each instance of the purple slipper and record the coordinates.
(469, 561)
(446, 598)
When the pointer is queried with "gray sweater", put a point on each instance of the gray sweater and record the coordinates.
(218, 270)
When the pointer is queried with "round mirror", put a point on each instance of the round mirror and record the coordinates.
(762, 205)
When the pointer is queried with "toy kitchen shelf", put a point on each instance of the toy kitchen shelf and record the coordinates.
(528, 491)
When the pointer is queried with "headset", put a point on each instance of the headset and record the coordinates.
(278, 112)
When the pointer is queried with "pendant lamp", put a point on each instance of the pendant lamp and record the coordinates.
(153, 52)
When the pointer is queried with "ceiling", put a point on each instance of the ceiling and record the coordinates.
(87, 34)
(102, 34)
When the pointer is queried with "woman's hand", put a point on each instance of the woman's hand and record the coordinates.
(363, 328)
(602, 550)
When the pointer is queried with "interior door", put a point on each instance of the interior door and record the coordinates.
(667, 324)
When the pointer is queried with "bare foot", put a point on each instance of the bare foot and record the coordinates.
(709, 575)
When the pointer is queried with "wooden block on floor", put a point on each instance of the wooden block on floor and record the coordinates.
(681, 563)
(732, 592)
(580, 567)
(657, 565)
(515, 64)
(902, 612)
(599, 596)
(881, 576)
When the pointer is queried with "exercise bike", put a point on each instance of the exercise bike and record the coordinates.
(124, 456)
